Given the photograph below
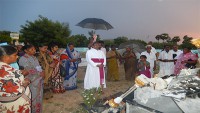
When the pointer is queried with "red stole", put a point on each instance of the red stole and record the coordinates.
(101, 69)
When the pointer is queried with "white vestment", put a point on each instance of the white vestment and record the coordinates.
(166, 68)
(151, 58)
(92, 75)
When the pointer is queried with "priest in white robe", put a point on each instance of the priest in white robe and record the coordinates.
(95, 75)
(166, 62)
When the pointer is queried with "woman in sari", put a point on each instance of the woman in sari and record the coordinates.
(70, 59)
(113, 69)
(129, 64)
(185, 60)
(56, 79)
(15, 94)
(47, 65)
(30, 63)
(45, 61)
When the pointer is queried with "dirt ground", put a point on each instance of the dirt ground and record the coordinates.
(69, 101)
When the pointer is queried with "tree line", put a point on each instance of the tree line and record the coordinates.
(44, 30)
(187, 41)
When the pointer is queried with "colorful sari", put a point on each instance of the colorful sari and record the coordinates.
(31, 64)
(46, 61)
(56, 79)
(70, 80)
(183, 57)
(14, 98)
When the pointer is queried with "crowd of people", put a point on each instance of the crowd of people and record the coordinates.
(170, 60)
(27, 73)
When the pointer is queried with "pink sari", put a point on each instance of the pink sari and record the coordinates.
(146, 72)
(183, 57)
(101, 69)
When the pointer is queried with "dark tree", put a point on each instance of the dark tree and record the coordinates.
(187, 42)
(176, 39)
(164, 37)
(5, 36)
(158, 37)
(120, 40)
(44, 30)
(78, 40)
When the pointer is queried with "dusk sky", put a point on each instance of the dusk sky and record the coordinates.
(135, 19)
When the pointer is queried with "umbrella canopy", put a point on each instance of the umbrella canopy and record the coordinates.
(95, 23)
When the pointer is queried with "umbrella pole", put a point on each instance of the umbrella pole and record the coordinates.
(93, 38)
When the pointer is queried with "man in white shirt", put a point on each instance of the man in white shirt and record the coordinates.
(151, 58)
(176, 52)
(152, 48)
(95, 75)
(166, 62)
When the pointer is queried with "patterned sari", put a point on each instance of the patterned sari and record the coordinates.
(46, 61)
(56, 79)
(31, 64)
(14, 98)
(70, 80)
(183, 57)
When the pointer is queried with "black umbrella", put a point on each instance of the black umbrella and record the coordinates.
(95, 23)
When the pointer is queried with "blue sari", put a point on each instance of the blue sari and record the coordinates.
(70, 80)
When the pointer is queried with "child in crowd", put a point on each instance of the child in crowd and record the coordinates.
(144, 66)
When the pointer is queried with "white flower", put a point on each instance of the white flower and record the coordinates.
(91, 94)
(87, 98)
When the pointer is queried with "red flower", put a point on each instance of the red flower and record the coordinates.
(4, 95)
(8, 111)
(8, 67)
(27, 111)
(10, 87)
(3, 73)
(21, 109)
(38, 105)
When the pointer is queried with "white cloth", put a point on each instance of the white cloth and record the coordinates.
(178, 52)
(151, 58)
(166, 68)
(92, 75)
